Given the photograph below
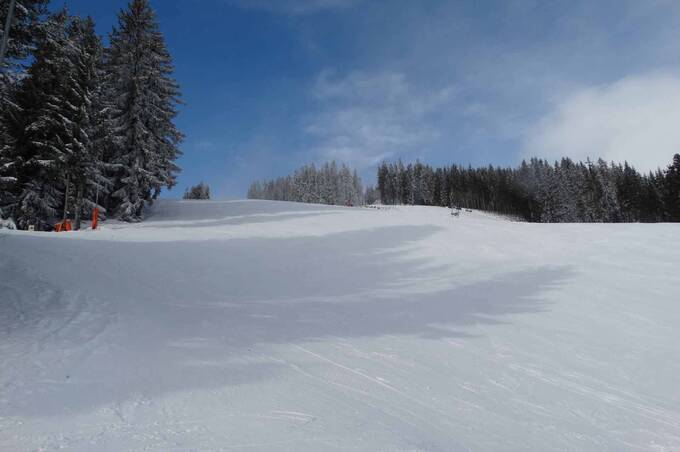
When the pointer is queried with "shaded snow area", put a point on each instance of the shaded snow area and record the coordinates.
(271, 326)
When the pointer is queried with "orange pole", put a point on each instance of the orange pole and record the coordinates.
(95, 218)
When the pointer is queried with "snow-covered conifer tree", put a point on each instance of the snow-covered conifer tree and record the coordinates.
(58, 165)
(139, 68)
(357, 189)
(200, 191)
(327, 185)
(24, 30)
(82, 108)
(672, 190)
(40, 128)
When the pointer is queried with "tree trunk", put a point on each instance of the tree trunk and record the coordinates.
(79, 208)
(68, 186)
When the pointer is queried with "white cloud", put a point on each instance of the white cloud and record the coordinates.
(636, 119)
(294, 7)
(368, 117)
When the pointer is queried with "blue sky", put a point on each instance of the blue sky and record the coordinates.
(270, 85)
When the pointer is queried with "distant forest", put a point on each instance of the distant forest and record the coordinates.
(329, 184)
(536, 191)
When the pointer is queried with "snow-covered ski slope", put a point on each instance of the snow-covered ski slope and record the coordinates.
(255, 325)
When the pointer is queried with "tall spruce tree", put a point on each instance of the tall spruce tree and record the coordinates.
(24, 30)
(139, 68)
(672, 190)
(84, 118)
(57, 161)
(8, 179)
(629, 188)
(27, 18)
(651, 198)
(39, 130)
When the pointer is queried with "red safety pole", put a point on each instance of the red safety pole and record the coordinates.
(95, 217)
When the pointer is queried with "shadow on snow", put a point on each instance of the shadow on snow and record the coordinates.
(180, 316)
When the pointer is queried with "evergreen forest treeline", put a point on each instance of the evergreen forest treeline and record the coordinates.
(329, 184)
(538, 191)
(83, 125)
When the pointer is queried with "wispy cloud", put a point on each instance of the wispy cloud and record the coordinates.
(367, 117)
(205, 145)
(634, 119)
(450, 82)
(294, 7)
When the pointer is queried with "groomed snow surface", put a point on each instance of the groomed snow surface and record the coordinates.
(256, 325)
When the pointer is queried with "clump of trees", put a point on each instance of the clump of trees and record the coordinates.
(538, 191)
(371, 195)
(200, 191)
(329, 184)
(85, 125)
